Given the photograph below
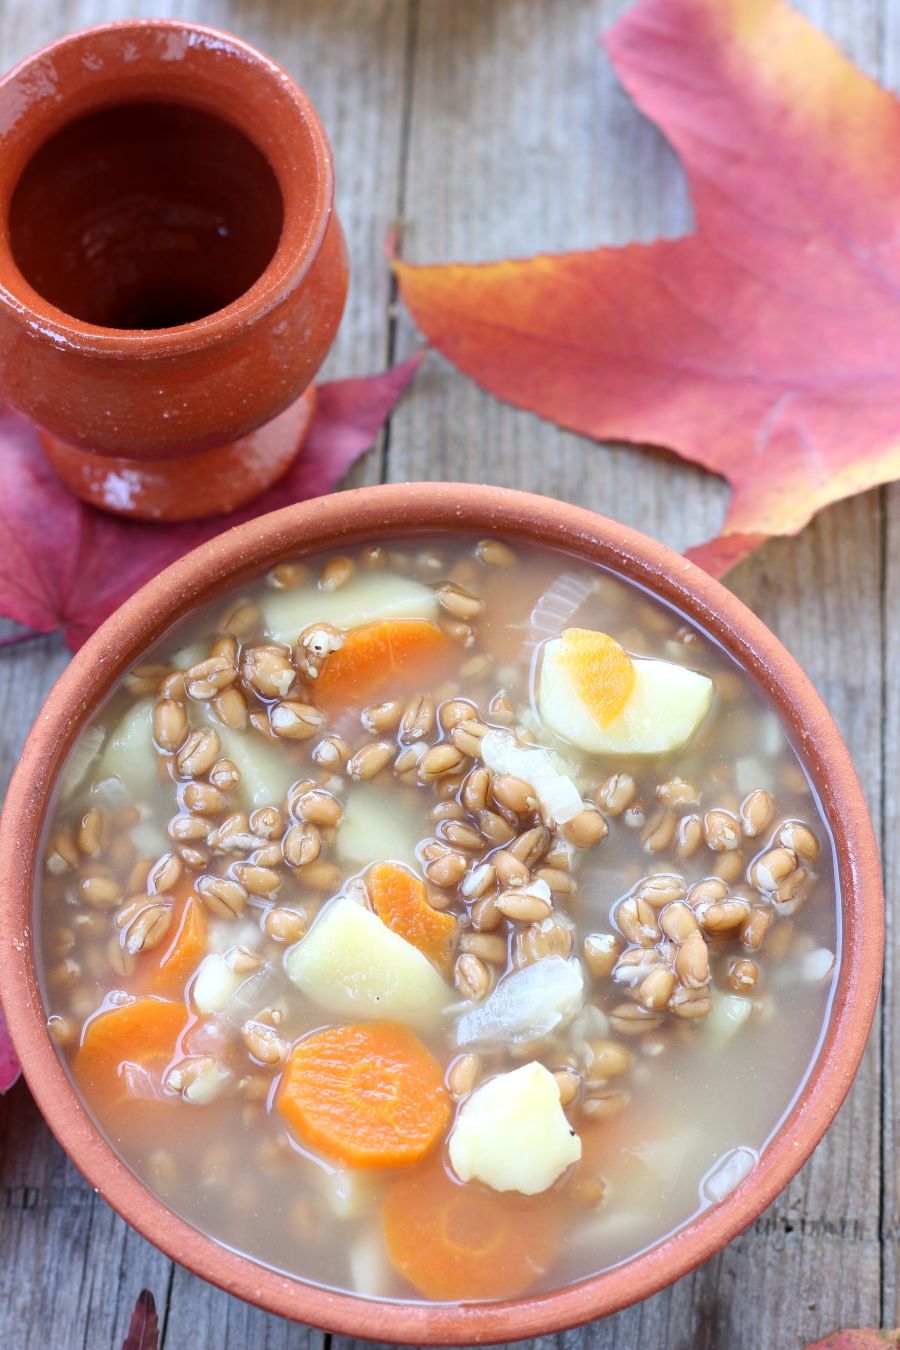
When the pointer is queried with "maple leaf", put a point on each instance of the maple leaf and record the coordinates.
(867, 1339)
(143, 1330)
(764, 346)
(65, 565)
(9, 1064)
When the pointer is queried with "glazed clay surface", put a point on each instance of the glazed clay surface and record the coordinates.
(346, 519)
(172, 270)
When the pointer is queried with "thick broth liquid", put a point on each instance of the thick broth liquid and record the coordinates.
(704, 1063)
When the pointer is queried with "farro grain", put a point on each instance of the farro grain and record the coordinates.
(302, 844)
(294, 720)
(256, 880)
(485, 913)
(460, 603)
(198, 753)
(170, 724)
(494, 553)
(336, 573)
(757, 811)
(463, 1074)
(616, 794)
(601, 952)
(223, 896)
(100, 892)
(163, 875)
(800, 838)
(230, 707)
(370, 759)
(381, 717)
(471, 977)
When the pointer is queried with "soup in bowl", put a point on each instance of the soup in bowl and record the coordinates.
(456, 931)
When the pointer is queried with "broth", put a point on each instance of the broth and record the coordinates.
(660, 918)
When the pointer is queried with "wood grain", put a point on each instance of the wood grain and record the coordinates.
(499, 129)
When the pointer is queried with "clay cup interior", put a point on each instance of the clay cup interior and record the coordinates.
(172, 271)
(384, 513)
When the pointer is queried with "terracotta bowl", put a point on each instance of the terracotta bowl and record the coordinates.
(347, 519)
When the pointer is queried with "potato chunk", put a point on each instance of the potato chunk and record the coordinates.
(351, 964)
(266, 771)
(376, 828)
(129, 754)
(662, 712)
(512, 1133)
(365, 597)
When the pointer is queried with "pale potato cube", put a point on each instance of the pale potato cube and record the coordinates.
(512, 1133)
(367, 596)
(215, 983)
(663, 711)
(207, 1086)
(353, 965)
(375, 828)
(266, 770)
(130, 755)
(729, 1013)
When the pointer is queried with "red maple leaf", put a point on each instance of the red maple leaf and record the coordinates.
(765, 346)
(64, 565)
(143, 1330)
(867, 1339)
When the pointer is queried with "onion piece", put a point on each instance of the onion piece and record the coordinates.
(555, 609)
(81, 757)
(536, 766)
(728, 1173)
(527, 1004)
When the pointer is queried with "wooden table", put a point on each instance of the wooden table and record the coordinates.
(487, 128)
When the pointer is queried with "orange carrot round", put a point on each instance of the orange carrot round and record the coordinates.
(601, 672)
(400, 900)
(378, 656)
(370, 1096)
(127, 1048)
(182, 956)
(455, 1242)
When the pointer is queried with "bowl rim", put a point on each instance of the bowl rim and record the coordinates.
(408, 509)
(293, 256)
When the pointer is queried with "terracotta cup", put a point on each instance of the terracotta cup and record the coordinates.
(388, 513)
(172, 270)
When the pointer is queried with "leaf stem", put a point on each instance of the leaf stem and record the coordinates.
(16, 639)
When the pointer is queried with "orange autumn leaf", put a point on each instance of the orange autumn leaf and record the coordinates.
(866, 1339)
(764, 346)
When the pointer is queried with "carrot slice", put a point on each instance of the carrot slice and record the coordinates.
(371, 1096)
(376, 656)
(602, 672)
(125, 1050)
(454, 1242)
(400, 900)
(181, 958)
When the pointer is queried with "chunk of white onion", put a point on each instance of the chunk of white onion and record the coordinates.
(529, 1003)
(727, 1174)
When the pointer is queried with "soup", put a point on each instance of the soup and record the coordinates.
(445, 920)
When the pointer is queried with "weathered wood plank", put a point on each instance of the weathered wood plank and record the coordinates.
(890, 1209)
(351, 57)
(520, 140)
(555, 157)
